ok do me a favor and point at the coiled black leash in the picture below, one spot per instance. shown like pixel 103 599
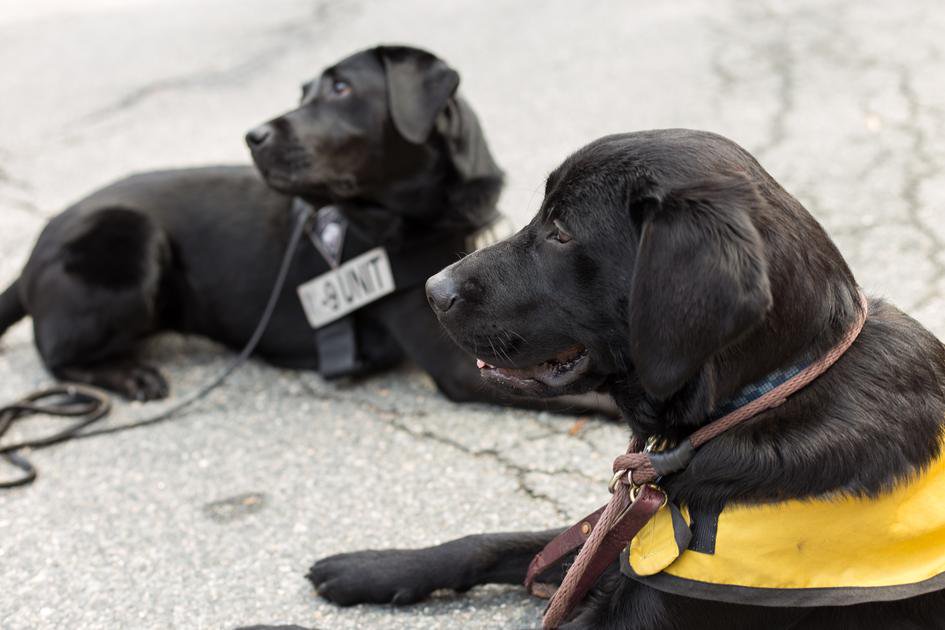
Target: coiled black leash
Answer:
pixel 90 404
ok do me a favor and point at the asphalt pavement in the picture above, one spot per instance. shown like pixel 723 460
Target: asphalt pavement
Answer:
pixel 212 520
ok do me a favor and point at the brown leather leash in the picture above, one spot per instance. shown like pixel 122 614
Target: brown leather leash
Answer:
pixel 636 498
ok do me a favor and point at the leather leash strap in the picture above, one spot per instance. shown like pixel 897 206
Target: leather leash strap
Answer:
pixel 626 515
pixel 556 551
pixel 620 521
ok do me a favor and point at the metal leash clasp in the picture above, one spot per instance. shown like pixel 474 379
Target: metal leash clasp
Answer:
pixel 654 444
pixel 635 494
pixel 612 486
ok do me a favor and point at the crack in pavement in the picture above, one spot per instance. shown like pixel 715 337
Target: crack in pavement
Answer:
pixel 777 53
pixel 15 192
pixel 393 416
pixel 919 167
pixel 287 36
pixel 16 187
pixel 830 43
pixel 22 205
pixel 518 471
pixel 774 51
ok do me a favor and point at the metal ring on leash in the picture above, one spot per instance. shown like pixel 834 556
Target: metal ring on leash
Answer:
pixel 612 486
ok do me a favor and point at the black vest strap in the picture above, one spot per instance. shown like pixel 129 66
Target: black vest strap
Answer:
pixel 337 347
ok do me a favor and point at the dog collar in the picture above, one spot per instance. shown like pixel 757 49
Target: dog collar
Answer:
pixel 756 390
pixel 641 466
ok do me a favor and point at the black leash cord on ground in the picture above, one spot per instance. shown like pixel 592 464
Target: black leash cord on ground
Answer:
pixel 90 404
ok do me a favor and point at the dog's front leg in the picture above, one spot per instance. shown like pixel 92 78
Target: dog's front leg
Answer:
pixel 405 576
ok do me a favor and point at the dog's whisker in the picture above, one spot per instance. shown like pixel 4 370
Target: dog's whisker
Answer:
pixel 492 345
pixel 512 332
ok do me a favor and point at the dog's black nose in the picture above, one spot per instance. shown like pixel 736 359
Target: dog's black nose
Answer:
pixel 442 292
pixel 258 136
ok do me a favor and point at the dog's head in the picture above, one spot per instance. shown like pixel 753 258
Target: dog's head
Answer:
pixel 643 262
pixel 370 123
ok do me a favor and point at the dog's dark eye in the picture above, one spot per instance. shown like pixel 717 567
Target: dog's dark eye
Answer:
pixel 560 234
pixel 340 88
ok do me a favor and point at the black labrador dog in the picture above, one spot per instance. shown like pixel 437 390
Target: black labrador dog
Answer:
pixel 669 267
pixel 382 138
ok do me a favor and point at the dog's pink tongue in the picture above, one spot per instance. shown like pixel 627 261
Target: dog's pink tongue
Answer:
pixel 480 363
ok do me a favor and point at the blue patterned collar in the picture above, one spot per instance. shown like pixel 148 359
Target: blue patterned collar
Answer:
pixel 758 389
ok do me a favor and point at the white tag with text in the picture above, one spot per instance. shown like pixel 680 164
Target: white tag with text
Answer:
pixel 359 281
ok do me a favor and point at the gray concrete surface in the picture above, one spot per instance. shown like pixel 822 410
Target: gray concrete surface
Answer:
pixel 211 521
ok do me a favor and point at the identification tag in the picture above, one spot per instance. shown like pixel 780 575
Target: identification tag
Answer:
pixel 360 281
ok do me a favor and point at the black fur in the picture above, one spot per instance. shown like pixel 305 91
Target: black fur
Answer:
pixel 11 307
pixel 689 273
pixel 382 133
pixel 124 234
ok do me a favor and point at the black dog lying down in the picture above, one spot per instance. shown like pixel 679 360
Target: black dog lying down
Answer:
pixel 381 138
pixel 670 267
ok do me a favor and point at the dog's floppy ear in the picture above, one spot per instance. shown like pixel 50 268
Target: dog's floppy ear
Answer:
pixel 700 280
pixel 465 141
pixel 419 84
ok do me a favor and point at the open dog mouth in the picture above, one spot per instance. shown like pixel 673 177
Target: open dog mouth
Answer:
pixel 561 370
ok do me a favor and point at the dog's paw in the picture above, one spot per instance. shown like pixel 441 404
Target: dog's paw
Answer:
pixel 128 379
pixel 133 381
pixel 141 383
pixel 372 577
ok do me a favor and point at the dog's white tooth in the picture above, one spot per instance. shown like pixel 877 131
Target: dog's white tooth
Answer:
pixel 480 363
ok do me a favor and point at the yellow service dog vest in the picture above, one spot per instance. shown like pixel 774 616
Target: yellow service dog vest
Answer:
pixel 821 552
